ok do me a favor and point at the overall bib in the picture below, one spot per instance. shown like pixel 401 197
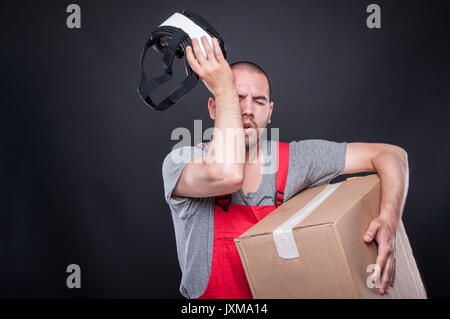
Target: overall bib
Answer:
pixel 227 279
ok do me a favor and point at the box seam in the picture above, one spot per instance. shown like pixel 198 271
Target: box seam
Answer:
pixel 347 265
pixel 357 294
pixel 238 244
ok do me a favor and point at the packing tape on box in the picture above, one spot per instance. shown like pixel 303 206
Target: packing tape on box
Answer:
pixel 283 236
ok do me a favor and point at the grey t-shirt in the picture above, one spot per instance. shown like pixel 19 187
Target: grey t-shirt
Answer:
pixel 311 163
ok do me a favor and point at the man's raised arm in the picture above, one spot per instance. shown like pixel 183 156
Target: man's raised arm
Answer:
pixel 217 173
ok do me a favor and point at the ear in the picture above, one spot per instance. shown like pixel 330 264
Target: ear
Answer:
pixel 212 108
pixel 270 111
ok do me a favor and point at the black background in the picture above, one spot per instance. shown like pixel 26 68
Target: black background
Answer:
pixel 81 154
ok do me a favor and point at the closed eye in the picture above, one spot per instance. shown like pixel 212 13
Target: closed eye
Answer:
pixel 261 99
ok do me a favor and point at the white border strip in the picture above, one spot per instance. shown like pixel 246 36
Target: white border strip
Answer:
pixel 283 236
pixel 180 21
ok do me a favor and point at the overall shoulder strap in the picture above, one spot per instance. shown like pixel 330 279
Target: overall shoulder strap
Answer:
pixel 223 201
pixel 282 172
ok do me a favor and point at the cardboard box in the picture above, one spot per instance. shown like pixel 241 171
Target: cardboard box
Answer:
pixel 312 246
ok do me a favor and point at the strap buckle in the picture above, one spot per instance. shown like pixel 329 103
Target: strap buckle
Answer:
pixel 223 201
pixel 278 198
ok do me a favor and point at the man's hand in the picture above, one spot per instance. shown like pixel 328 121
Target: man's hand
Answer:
pixel 383 231
pixel 213 69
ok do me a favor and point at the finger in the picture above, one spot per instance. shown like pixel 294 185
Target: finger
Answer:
pixel 393 272
pixel 191 59
pixel 371 232
pixel 198 51
pixel 217 50
pixel 393 279
pixel 207 47
pixel 383 253
pixel 386 275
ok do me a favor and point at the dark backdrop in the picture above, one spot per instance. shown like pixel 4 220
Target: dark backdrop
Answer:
pixel 81 154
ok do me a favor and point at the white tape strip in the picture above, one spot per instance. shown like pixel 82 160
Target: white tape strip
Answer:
pixel 283 236
pixel 180 21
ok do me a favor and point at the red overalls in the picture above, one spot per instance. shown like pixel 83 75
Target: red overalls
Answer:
pixel 227 278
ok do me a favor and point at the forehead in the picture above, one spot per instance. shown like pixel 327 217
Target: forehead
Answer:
pixel 249 82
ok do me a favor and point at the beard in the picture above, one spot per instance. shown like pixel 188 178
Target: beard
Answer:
pixel 255 137
pixel 252 138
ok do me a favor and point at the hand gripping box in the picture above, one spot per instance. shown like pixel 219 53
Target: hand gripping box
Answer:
pixel 312 247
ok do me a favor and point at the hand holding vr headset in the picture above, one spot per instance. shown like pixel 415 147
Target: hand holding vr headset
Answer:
pixel 171 39
pixel 213 69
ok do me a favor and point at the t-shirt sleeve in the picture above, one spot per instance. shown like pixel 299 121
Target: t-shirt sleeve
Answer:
pixel 173 166
pixel 314 163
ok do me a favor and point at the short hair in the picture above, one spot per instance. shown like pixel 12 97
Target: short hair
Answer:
pixel 251 67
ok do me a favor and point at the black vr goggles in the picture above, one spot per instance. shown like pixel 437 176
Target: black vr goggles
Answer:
pixel 171 38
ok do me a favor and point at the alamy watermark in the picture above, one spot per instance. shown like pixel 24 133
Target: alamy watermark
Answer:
pixel 373 21
pixel 73 20
pixel 375 270
pixel 74 279
pixel 233 140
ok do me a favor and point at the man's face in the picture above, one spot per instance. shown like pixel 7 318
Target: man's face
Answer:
pixel 256 108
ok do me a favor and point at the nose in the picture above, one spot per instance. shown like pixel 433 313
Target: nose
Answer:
pixel 247 106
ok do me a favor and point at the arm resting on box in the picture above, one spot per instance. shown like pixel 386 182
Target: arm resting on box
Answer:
pixel 391 164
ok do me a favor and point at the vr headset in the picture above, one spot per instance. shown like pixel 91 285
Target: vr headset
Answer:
pixel 171 39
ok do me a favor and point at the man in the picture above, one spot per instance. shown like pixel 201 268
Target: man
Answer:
pixel 206 221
